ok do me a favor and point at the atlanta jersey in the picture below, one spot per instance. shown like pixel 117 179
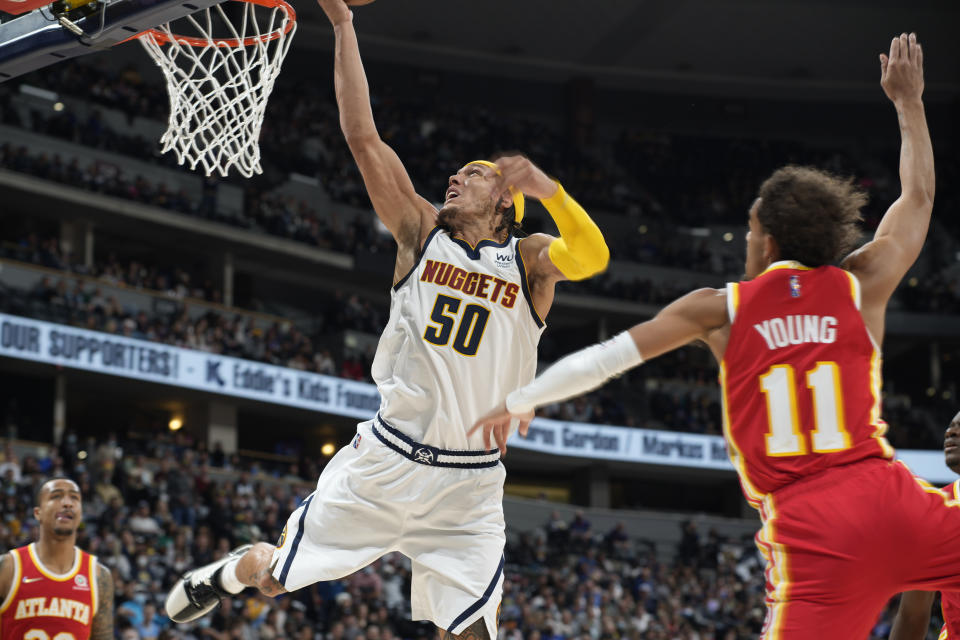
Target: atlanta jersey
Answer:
pixel 42 605
pixel 950 600
pixel 462 334
pixel 800 377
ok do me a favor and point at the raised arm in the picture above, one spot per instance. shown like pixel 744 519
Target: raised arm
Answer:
pixel 913 616
pixel 881 263
pixel 579 253
pixel 692 317
pixel 402 211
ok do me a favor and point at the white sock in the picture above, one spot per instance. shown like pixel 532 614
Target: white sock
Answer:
pixel 228 577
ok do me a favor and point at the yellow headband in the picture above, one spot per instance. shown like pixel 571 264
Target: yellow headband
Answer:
pixel 517 195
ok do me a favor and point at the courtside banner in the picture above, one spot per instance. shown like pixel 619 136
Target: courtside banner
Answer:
pixel 625 443
pixel 629 444
pixel 155 362
pixel 66 346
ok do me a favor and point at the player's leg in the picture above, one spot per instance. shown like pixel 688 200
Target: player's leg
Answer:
pixel 200 590
pixel 930 534
pixel 828 554
pixel 352 518
pixel 255 569
pixel 800 619
pixel 455 543
pixel 476 631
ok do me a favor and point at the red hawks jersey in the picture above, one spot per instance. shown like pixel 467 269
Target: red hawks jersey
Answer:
pixel 800 377
pixel 950 600
pixel 42 605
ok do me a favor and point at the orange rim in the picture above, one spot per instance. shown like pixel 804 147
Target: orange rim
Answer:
pixel 288 10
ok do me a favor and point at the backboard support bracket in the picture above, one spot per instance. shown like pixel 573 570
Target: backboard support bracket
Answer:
pixel 39 38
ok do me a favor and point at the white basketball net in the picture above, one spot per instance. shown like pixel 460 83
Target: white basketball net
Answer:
pixel 218 92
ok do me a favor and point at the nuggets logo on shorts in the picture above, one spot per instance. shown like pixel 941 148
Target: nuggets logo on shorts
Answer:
pixel 423 456
pixel 283 537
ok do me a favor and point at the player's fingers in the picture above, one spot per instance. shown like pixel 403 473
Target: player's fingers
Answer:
pixel 486 435
pixel 894 49
pixel 524 428
pixel 481 423
pixel 501 436
pixel 904 47
pixel 919 58
pixel 883 66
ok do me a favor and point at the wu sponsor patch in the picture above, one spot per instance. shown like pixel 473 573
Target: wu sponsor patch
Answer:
pixel 504 260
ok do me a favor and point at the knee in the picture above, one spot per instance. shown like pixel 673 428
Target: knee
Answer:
pixel 256 558
pixel 259 573
pixel 263 549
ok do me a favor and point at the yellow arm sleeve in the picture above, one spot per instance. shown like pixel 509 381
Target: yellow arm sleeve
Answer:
pixel 580 251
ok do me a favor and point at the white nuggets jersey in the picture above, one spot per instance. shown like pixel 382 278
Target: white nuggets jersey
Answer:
pixel 462 334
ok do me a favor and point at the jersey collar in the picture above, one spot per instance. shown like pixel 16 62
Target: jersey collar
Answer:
pixel 474 252
pixel 786 264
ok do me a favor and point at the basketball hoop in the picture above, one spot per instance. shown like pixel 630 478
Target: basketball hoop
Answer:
pixel 219 86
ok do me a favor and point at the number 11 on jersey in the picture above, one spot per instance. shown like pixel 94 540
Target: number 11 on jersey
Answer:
pixel 785 437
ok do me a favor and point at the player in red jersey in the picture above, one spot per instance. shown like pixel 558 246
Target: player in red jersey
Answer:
pixel 51 590
pixel 844 527
pixel 913 616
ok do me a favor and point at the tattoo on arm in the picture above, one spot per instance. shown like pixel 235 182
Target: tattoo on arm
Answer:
pixel 476 631
pixel 103 620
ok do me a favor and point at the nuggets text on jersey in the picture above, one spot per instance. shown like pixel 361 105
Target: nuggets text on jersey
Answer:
pixel 471 283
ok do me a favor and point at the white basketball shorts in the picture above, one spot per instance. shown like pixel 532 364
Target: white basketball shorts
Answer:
pixel 371 500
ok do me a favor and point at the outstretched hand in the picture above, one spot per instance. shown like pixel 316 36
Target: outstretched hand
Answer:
pixel 336 10
pixel 496 424
pixel 519 172
pixel 901 73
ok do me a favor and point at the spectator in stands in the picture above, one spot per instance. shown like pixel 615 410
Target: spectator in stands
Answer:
pixel 10 467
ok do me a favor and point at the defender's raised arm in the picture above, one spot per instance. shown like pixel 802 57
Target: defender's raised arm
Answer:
pixel 882 262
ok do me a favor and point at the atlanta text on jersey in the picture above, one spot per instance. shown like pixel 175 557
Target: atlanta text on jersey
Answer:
pixel 53 607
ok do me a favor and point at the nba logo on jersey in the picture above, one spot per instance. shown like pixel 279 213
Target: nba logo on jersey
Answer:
pixel 794 286
pixel 356 440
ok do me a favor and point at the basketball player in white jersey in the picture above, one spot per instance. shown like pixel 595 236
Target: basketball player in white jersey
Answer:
pixel 466 314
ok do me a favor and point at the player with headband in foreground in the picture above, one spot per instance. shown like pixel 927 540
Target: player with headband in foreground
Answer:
pixel 844 527
pixel 467 310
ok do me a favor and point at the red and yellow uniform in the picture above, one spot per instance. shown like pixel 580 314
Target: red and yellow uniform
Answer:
pixel 801 377
pixel 950 600
pixel 950 603
pixel 844 526
pixel 42 605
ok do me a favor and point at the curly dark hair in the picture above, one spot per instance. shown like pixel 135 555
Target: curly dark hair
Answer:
pixel 812 214
pixel 509 222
